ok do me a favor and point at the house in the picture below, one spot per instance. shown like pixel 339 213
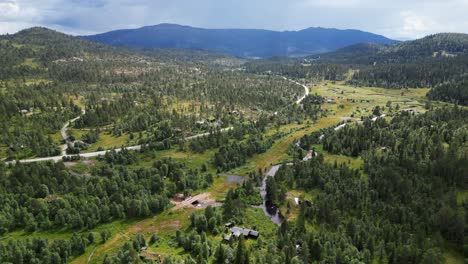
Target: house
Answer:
pixel 229 225
pixel 238 231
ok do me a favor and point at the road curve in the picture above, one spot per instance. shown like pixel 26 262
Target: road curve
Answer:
pixel 306 89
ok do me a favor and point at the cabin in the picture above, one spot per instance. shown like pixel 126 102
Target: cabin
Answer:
pixel 229 225
pixel 238 231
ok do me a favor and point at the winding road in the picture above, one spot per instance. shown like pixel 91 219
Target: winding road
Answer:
pixel 306 89
pixel 137 147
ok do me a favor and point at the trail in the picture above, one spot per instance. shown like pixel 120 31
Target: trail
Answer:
pixel 91 255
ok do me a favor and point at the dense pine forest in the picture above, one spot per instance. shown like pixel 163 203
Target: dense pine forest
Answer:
pixel 121 155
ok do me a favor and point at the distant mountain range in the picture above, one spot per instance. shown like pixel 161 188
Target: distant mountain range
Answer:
pixel 247 43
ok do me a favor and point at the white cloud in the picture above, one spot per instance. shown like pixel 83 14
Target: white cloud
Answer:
pixel 9 9
pixel 393 18
pixel 414 24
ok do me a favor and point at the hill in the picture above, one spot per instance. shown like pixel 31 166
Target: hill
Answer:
pixel 437 46
pixel 249 43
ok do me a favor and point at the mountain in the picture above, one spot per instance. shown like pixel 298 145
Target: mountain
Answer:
pixel 249 43
pixel 432 47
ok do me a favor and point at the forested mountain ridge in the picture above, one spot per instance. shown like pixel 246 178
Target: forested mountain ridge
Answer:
pixel 239 42
pixel 32 51
pixel 443 45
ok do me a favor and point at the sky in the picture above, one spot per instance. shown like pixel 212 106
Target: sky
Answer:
pixel 398 19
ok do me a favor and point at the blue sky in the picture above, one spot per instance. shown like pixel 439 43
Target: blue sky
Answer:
pixel 400 19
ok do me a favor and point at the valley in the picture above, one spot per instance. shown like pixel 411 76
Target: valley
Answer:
pixel 118 155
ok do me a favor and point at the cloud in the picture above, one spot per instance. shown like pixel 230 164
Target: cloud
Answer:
pixel 414 24
pixel 397 18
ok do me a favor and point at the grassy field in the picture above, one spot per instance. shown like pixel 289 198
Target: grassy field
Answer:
pixel 294 209
pixel 31 63
pixel 164 225
pixel 108 141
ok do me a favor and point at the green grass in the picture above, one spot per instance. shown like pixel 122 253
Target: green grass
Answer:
pixel 451 255
pixel 106 141
pixel 80 167
pixel 295 209
pixel 462 196
pixel 3 152
pixel 256 219
pixel 164 225
pixel 31 63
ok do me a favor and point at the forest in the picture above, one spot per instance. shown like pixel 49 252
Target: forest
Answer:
pixel 121 155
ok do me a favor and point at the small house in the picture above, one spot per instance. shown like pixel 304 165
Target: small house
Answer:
pixel 247 233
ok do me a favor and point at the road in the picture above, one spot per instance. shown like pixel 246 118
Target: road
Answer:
pixel 64 129
pixel 137 147
pixel 306 89
pixel 103 152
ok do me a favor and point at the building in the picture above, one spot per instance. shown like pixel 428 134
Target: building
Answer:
pixel 238 231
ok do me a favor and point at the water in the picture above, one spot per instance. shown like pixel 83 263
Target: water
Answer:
pixel 232 178
pixel 270 209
